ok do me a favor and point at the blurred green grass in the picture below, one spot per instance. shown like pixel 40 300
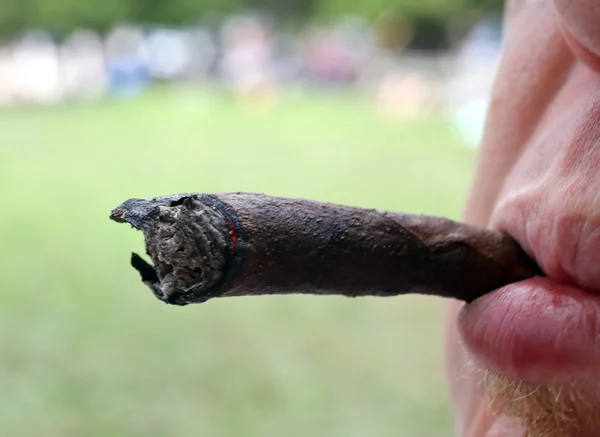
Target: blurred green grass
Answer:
pixel 85 350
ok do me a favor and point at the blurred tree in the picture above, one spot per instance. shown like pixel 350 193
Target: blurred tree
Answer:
pixel 14 16
pixel 64 15
pixel 417 24
pixel 295 9
pixel 180 11
pixel 427 17
pixel 394 29
pixel 432 9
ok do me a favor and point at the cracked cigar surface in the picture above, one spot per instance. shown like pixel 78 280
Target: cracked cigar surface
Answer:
pixel 204 246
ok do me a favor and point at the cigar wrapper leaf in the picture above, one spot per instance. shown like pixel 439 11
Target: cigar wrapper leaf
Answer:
pixel 204 246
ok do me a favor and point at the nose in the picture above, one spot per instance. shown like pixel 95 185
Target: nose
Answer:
pixel 580 23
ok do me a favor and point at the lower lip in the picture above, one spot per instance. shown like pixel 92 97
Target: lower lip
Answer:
pixel 535 330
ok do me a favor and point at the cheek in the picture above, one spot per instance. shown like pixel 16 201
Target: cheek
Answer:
pixel 580 24
pixel 581 52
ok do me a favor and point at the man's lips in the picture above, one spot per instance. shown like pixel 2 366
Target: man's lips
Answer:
pixel 536 330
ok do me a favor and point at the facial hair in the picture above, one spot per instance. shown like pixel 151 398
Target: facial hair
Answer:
pixel 541 410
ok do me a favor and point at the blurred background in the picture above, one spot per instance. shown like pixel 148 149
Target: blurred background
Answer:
pixel 377 104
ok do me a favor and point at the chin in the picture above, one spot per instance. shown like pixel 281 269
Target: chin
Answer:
pixel 526 409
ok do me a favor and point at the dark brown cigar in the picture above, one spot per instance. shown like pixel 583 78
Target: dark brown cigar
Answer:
pixel 204 246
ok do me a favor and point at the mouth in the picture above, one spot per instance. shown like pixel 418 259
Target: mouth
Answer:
pixel 538 330
pixel 546 330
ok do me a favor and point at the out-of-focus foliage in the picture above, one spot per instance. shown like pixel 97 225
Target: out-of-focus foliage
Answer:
pixel 440 9
pixel 13 16
pixel 64 15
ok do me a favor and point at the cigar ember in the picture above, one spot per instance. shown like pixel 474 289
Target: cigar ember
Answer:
pixel 204 246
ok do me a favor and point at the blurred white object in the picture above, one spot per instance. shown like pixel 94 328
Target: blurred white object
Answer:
pixel 408 95
pixel 7 91
pixel 203 53
pixel 471 86
pixel 127 61
pixel 36 69
pixel 248 64
pixel 356 41
pixel 83 65
pixel 247 52
pixel 168 53
pixel 126 40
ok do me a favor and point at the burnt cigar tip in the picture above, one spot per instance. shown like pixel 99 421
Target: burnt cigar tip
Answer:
pixel 140 213
pixel 150 278
pixel 136 212
pixel 145 270
pixel 188 240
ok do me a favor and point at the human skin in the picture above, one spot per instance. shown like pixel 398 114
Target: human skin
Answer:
pixel 537 178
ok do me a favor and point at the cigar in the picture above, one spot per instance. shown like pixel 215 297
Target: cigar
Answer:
pixel 205 246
